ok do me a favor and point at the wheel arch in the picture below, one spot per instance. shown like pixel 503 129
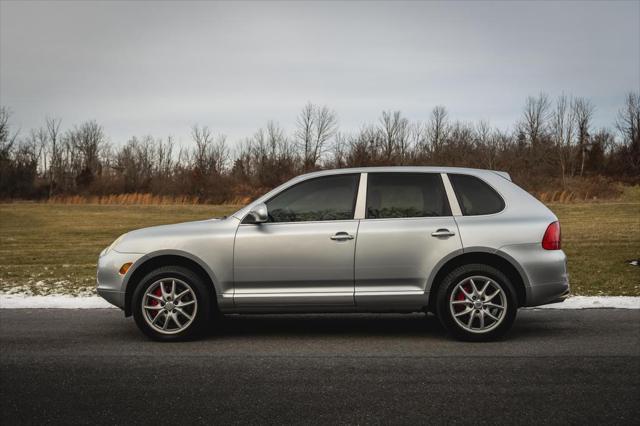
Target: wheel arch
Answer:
pixel 156 260
pixel 492 258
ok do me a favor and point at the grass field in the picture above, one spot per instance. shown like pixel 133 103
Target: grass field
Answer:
pixel 52 248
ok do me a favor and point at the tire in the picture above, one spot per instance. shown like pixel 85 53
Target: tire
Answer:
pixel 464 309
pixel 185 316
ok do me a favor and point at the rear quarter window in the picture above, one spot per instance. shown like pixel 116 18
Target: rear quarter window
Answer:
pixel 475 196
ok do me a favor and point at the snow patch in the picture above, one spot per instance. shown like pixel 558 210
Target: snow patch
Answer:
pixel 61 301
pixel 54 301
pixel 594 302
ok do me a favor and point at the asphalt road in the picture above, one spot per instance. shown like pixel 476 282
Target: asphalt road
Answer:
pixel 93 366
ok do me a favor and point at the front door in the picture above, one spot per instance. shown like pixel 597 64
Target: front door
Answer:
pixel 407 229
pixel 304 254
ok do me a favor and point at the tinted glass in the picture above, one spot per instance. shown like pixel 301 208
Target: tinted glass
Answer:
pixel 474 196
pixel 325 198
pixel 406 195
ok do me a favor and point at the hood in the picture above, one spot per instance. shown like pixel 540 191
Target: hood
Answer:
pixel 175 236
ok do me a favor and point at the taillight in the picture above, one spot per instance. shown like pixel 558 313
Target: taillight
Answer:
pixel 552 239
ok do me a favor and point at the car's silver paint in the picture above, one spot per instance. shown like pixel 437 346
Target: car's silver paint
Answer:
pixel 111 285
pixel 283 263
pixel 544 271
pixel 394 258
pixel 208 243
pixel 389 265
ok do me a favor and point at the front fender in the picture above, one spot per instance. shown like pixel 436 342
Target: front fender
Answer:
pixel 170 252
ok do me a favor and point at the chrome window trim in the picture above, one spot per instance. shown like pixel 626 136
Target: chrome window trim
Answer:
pixel 451 195
pixel 361 201
pixel 300 222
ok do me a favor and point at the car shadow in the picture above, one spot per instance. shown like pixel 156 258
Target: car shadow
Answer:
pixel 526 328
pixel 305 325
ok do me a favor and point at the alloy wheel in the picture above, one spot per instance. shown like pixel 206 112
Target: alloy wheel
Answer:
pixel 169 305
pixel 478 304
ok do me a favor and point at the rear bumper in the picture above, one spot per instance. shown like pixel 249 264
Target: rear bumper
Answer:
pixel 547 293
pixel 544 272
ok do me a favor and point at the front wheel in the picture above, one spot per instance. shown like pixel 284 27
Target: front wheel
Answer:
pixel 171 303
pixel 477 303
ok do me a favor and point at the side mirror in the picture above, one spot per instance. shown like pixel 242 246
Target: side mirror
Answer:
pixel 258 214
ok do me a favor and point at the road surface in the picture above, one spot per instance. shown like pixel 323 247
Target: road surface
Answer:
pixel 93 366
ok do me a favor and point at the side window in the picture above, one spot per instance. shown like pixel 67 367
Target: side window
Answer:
pixel 392 195
pixel 474 196
pixel 324 198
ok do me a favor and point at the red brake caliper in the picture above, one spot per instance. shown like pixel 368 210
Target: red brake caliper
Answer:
pixel 460 296
pixel 155 302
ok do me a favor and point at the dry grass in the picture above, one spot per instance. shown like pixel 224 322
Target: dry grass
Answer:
pixel 125 199
pixel 598 239
pixel 48 248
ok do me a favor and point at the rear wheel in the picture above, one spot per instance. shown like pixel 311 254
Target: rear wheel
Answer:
pixel 477 302
pixel 171 303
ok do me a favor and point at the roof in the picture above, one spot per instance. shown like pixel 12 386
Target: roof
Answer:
pixel 404 169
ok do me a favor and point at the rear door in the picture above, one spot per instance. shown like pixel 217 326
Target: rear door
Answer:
pixel 408 228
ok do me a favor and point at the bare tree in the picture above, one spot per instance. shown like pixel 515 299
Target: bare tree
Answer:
pixel 601 142
pixel 210 156
pixel 339 151
pixel 53 133
pixel 164 159
pixel 562 129
pixel 272 156
pixel 395 135
pixel 583 112
pixel 628 124
pixel 459 148
pixel 7 140
pixel 535 117
pixel 437 130
pixel 84 146
pixel 416 142
pixel 485 144
pixel 277 141
pixel 41 144
pixel 326 126
pixel 304 133
pixel 315 126
pixel 551 142
pixel 203 139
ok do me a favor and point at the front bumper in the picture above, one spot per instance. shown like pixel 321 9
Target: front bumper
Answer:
pixel 116 298
pixel 110 284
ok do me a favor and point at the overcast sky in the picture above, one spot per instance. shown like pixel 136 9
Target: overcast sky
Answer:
pixel 157 68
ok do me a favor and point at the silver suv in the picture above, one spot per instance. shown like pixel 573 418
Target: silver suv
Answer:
pixel 468 245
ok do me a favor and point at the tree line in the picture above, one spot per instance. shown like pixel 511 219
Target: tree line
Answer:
pixel 554 145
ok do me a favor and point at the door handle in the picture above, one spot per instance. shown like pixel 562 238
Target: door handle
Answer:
pixel 341 236
pixel 443 233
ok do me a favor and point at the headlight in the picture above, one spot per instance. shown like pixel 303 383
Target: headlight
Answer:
pixel 113 244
